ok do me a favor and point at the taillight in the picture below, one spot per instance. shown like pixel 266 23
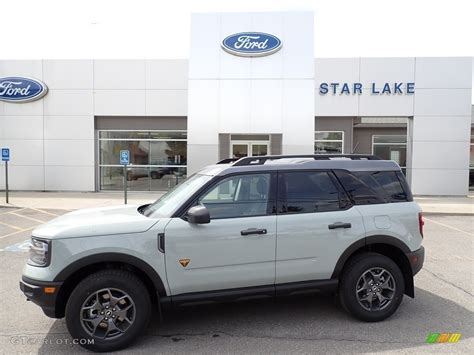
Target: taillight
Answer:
pixel 421 223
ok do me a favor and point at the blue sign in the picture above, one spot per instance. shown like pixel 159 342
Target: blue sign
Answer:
pixel 124 157
pixel 251 44
pixel 5 154
pixel 374 88
pixel 21 89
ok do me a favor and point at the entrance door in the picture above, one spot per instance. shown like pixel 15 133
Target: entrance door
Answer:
pixel 240 149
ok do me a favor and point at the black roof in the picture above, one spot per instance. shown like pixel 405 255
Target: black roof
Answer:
pixel 350 162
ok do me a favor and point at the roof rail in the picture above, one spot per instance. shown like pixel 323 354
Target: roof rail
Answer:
pixel 260 160
pixel 227 160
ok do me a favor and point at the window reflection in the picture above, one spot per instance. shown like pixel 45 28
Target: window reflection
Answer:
pixel 328 142
pixel 391 147
pixel 471 165
pixel 157 159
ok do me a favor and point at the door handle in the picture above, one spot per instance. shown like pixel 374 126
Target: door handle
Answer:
pixel 339 225
pixel 253 231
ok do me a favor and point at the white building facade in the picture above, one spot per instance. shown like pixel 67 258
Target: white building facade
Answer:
pixel 176 116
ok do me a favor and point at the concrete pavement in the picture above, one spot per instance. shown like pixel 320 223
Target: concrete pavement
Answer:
pixel 304 325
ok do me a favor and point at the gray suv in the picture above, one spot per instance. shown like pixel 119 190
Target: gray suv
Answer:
pixel 266 226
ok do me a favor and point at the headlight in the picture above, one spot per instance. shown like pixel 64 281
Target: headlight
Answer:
pixel 40 252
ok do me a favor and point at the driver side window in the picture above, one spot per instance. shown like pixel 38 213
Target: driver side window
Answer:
pixel 238 196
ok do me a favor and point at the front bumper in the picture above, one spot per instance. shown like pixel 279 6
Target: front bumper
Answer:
pixel 416 259
pixel 37 292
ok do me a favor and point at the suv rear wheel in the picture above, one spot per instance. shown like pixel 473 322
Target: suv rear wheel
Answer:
pixel 108 310
pixel 371 287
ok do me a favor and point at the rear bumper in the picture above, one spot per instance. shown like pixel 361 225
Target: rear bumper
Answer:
pixel 416 259
pixel 35 291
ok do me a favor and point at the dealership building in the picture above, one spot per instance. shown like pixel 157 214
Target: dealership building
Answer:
pixel 251 86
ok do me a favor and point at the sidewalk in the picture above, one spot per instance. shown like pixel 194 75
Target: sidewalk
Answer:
pixel 446 205
pixel 77 200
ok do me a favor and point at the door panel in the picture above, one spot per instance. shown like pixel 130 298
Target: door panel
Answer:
pixel 220 257
pixel 307 249
pixel 237 248
pixel 314 225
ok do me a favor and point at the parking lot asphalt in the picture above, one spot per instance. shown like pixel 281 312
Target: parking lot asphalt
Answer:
pixel 312 324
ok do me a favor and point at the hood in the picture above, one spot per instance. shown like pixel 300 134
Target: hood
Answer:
pixel 96 221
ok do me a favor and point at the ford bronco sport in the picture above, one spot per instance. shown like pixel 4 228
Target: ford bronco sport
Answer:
pixel 265 226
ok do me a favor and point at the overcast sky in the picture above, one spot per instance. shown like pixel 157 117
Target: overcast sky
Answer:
pixel 161 28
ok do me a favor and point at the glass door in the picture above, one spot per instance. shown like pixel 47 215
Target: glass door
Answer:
pixel 240 149
pixel 259 149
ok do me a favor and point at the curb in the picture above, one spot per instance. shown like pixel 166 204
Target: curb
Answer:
pixel 448 214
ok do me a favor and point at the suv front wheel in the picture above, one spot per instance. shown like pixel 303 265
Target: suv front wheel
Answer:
pixel 108 310
pixel 371 287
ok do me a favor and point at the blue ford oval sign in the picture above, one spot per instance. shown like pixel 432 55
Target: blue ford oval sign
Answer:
pixel 21 89
pixel 251 44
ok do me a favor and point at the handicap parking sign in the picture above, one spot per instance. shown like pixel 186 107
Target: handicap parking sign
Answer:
pixel 5 154
pixel 124 157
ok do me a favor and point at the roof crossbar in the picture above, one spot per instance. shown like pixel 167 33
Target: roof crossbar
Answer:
pixel 260 160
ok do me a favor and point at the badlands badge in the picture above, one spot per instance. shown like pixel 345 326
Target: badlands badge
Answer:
pixel 184 262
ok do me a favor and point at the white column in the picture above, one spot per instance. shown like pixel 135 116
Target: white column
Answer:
pixel 262 95
pixel 441 126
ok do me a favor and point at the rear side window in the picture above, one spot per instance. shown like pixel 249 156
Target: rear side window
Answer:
pixel 359 192
pixel 306 192
pixel 385 183
pixel 373 187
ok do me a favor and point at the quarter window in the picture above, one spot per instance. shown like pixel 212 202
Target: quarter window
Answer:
pixel 359 192
pixel 238 196
pixel 385 183
pixel 372 187
pixel 306 192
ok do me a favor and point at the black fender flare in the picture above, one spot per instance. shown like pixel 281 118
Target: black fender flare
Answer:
pixel 143 266
pixel 377 239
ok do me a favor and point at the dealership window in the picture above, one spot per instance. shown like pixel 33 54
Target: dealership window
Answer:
pixel 328 142
pixel 157 159
pixel 471 165
pixel 391 147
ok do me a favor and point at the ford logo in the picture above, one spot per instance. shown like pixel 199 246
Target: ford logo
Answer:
pixel 251 44
pixel 21 89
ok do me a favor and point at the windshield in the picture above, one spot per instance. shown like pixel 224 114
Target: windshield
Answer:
pixel 174 198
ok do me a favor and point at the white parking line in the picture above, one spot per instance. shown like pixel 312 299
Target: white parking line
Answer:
pixel 10 225
pixel 16 210
pixel 45 212
pixel 23 230
pixel 448 226
pixel 30 218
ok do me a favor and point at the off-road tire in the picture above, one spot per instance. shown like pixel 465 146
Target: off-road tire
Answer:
pixel 116 279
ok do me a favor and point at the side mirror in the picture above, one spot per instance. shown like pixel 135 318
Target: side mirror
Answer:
pixel 198 215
